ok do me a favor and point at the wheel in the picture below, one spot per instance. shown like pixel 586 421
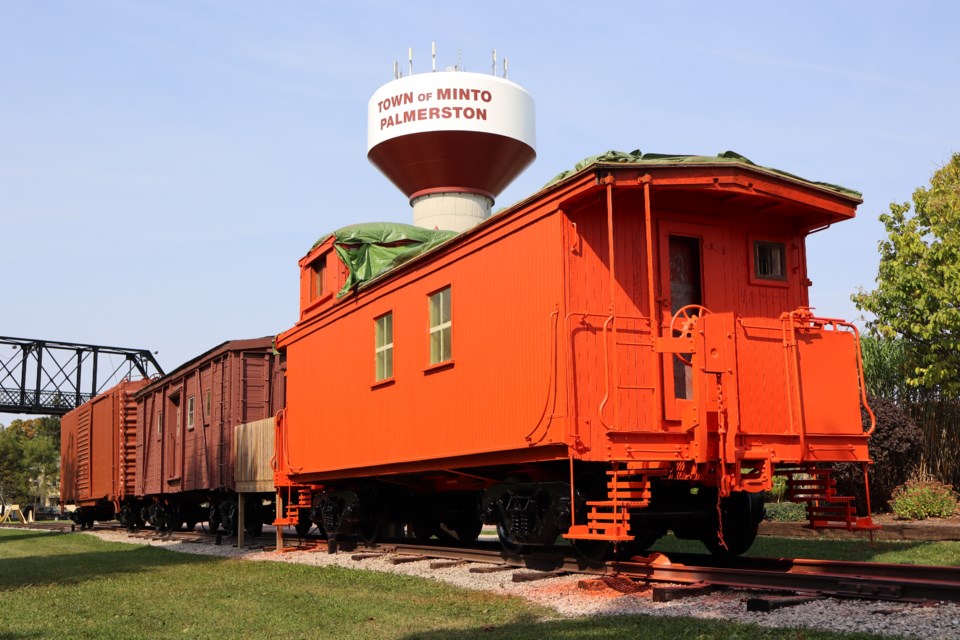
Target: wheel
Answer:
pixel 742 513
pixel 304 524
pixel 213 521
pixel 508 545
pixel 374 519
pixel 228 517
pixel 253 517
pixel 424 529
pixel 641 542
pixel 683 322
pixel 468 528
pixel 371 531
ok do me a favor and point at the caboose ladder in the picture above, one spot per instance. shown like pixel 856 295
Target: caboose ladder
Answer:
pixel 293 506
pixel 610 519
pixel 825 509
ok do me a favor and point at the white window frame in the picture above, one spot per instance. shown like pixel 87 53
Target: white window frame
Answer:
pixel 159 425
pixel 191 412
pixel 383 350
pixel 441 348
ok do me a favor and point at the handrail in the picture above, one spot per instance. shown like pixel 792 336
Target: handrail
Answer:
pixel 551 381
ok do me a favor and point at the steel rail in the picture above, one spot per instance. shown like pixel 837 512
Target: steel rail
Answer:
pixel 841 579
pixel 874 581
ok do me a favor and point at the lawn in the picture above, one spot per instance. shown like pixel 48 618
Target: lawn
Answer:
pixel 907 552
pixel 55 585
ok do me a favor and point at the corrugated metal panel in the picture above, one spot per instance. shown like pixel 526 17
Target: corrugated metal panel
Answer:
pixel 84 453
pixel 97 446
pixel 69 456
pixel 104 424
pixel 253 450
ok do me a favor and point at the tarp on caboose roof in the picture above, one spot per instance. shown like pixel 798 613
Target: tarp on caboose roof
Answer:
pixel 732 157
pixel 373 248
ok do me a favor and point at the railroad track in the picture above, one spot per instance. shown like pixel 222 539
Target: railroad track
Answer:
pixel 805 578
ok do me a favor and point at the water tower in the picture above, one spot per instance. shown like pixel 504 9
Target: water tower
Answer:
pixel 451 141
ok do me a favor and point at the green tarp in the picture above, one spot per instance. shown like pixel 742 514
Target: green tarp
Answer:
pixel 637 157
pixel 372 248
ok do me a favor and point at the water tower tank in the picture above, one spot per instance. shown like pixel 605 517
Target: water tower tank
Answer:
pixel 451 141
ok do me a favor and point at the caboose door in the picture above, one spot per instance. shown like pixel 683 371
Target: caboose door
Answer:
pixel 694 270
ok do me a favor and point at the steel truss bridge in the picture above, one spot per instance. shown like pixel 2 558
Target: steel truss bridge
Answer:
pixel 51 378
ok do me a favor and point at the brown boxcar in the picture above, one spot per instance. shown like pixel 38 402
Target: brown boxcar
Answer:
pixel 626 352
pixel 186 422
pixel 98 454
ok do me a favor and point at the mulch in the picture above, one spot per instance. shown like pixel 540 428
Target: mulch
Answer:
pixel 891 529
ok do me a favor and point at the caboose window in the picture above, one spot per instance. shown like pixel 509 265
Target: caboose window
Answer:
pixel 384 346
pixel 191 412
pixel 441 327
pixel 769 260
pixel 159 424
pixel 318 276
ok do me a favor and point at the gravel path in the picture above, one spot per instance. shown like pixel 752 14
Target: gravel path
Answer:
pixel 929 622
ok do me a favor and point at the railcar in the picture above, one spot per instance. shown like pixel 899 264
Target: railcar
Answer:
pixel 627 352
pixel 98 454
pixel 185 451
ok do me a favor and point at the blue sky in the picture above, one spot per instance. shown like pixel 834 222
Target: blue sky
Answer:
pixel 147 147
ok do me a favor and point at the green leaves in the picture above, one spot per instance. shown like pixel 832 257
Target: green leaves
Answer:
pixel 29 460
pixel 918 281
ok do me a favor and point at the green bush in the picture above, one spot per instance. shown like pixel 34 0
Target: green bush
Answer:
pixel 921 500
pixel 895 449
pixel 786 512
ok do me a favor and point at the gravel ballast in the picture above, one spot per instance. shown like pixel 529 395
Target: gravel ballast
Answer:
pixel 938 621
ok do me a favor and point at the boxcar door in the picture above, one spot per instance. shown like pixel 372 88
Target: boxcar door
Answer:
pixel 694 268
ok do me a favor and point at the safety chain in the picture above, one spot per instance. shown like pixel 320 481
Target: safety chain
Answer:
pixel 721 480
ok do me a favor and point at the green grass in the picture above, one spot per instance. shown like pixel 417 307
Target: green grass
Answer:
pixel 912 552
pixel 77 586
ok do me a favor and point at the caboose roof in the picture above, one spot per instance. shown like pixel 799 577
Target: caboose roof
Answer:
pixel 725 158
pixel 371 250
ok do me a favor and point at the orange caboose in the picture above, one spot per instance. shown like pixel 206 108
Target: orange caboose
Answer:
pixel 628 351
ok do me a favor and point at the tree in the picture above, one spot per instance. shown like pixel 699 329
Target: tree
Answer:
pixel 29 460
pixel 918 282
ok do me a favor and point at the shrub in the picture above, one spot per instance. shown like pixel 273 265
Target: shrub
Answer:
pixel 786 511
pixel 921 500
pixel 895 448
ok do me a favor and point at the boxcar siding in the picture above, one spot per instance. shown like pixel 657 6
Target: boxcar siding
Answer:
pixel 344 419
pixel 199 459
pixel 97 444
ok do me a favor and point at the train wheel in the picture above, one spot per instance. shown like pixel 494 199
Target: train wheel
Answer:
pixel 593 550
pixel 509 545
pixel 424 529
pixel 253 517
pixel 642 541
pixel 228 517
pixel 468 528
pixel 304 524
pixel 213 521
pixel 741 516
pixel 372 527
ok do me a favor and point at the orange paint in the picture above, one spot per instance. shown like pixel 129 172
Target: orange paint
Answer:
pixel 559 353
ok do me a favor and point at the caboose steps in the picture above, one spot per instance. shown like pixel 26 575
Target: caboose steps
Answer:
pixel 825 509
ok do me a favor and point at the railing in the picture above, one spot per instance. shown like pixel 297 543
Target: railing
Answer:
pixel 47 377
